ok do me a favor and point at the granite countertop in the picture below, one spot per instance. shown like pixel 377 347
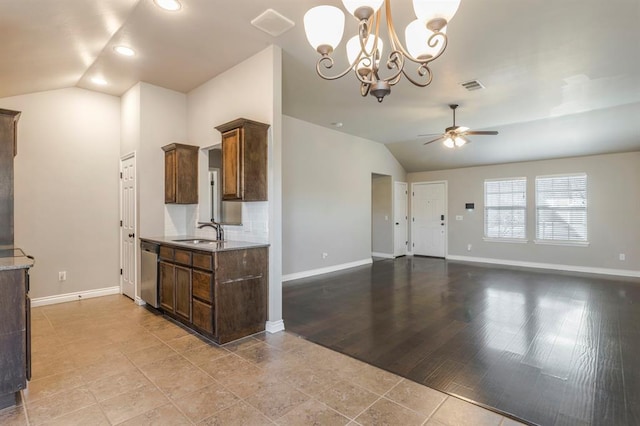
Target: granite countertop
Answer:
pixel 14 258
pixel 207 246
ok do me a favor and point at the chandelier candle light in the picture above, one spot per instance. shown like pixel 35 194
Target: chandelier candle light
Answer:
pixel 425 40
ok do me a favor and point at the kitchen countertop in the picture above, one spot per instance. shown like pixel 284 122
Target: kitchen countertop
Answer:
pixel 210 247
pixel 14 259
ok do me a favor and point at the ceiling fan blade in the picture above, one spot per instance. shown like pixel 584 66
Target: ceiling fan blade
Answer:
pixel 481 132
pixel 429 134
pixel 434 140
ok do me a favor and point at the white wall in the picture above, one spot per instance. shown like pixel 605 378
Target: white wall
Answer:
pixel 251 89
pixel 66 188
pixel 153 117
pixel 327 195
pixel 613 206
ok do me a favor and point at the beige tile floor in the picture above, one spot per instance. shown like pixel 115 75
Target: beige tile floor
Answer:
pixel 107 361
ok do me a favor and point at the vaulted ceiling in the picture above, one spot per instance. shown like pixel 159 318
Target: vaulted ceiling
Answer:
pixel 561 77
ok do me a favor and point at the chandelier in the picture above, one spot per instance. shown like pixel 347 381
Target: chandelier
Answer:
pixel 425 40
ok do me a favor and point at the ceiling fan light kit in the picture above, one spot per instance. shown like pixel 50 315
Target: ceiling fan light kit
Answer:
pixel 455 136
pixel 425 41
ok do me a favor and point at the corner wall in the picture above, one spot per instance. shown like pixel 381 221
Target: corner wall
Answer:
pixel 66 188
pixel 327 196
pixel 612 213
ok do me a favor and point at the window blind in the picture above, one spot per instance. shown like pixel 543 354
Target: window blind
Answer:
pixel 505 208
pixel 561 208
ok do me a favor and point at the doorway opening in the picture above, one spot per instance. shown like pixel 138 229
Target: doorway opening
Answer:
pixel 128 222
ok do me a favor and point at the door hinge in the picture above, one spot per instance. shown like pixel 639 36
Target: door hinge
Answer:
pixel 413 244
pixel 120 175
pixel 120 271
pixel 121 223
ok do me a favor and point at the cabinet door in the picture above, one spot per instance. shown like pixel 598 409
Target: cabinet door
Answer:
pixel 231 166
pixel 183 292
pixel 167 286
pixel 203 316
pixel 170 176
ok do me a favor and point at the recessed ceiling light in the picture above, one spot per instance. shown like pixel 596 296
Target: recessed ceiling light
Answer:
pixel 125 51
pixel 337 124
pixel 100 81
pixel 170 5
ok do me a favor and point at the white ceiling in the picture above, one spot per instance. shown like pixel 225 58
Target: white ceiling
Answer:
pixel 561 76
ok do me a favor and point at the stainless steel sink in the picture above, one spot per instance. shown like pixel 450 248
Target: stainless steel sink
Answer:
pixel 198 241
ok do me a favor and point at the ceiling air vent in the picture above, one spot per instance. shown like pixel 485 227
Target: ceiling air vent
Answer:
pixel 272 23
pixel 472 85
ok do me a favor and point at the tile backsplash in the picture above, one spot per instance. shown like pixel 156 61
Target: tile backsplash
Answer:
pixel 254 228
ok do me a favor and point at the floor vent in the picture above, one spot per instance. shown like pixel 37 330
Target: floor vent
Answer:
pixel 472 85
pixel 272 23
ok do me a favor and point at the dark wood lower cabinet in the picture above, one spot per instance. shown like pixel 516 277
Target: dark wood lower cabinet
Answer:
pixel 183 292
pixel 167 283
pixel 220 294
pixel 203 316
pixel 14 335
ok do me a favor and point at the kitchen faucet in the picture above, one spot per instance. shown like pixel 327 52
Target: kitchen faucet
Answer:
pixel 217 226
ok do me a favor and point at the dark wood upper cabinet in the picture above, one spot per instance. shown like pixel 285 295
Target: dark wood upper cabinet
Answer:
pixel 180 174
pixel 244 160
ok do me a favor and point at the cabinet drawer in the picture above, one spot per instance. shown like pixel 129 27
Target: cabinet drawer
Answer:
pixel 166 253
pixel 183 257
pixel 202 285
pixel 202 315
pixel 203 261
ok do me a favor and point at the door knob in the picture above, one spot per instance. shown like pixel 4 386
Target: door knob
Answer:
pixel 131 235
pixel 397 223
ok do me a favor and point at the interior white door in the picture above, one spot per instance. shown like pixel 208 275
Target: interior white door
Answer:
pixel 128 226
pixel 400 219
pixel 429 212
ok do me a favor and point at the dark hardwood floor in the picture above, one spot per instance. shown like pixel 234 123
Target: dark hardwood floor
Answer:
pixel 548 347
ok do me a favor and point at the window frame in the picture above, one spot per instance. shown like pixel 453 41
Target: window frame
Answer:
pixel 558 242
pixel 524 208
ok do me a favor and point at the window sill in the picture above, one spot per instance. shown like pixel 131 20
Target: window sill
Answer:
pixel 506 240
pixel 562 243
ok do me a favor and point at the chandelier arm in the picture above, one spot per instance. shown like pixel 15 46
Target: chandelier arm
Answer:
pixel 326 61
pixel 396 60
pixel 422 71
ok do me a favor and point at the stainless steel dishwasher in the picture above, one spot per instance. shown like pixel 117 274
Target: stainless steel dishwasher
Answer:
pixel 149 273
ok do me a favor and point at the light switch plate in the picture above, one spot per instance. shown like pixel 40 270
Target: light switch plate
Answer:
pixel 459 217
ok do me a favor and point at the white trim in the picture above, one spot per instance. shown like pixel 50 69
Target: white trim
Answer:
pixel 385 255
pixel 320 271
pixel 274 326
pixel 138 301
pixel 70 297
pixel 562 243
pixel 553 266
pixel 395 218
pixel 505 240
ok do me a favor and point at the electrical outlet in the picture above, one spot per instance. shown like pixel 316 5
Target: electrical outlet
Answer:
pixel 62 276
pixel 324 255
pixel 622 256
pixel 468 247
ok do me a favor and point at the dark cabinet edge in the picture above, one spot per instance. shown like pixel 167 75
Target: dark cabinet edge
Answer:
pixel 240 122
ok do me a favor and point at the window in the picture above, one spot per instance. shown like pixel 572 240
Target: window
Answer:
pixel 505 208
pixel 561 208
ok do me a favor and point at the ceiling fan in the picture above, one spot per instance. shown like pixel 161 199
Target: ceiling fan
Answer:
pixel 456 136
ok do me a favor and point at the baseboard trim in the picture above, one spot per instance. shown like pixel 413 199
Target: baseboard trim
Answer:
pixel 553 266
pixel 139 301
pixel 274 326
pixel 70 297
pixel 320 271
pixel 383 255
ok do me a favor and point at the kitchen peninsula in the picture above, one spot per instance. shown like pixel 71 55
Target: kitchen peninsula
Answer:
pixel 217 288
